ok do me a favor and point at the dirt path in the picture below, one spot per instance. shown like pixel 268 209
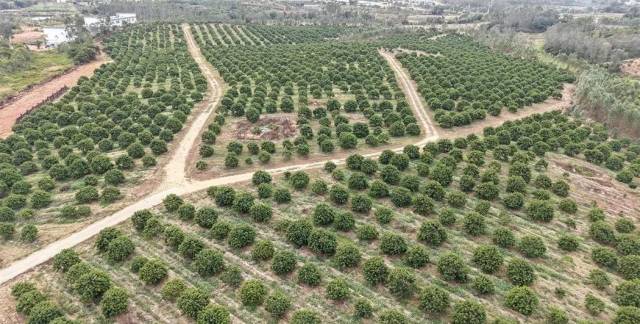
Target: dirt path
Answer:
pixel 175 180
pixel 25 101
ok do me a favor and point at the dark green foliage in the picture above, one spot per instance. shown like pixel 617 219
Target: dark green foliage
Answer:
pixel 252 293
pixel 520 272
pixel 468 312
pixel 452 267
pixel 114 302
pixel 521 299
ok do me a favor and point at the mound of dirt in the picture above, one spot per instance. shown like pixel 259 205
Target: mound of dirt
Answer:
pixel 267 128
pixel 631 67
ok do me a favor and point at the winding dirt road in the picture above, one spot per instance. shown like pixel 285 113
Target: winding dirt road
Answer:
pixel 175 179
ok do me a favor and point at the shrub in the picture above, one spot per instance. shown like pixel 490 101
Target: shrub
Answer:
pixel 265 190
pixel 532 246
pixel 483 285
pixel 7 231
pixel 260 177
pixel 604 257
pixel 321 241
pixel 186 211
pixel 432 233
pixel 629 267
pixel 277 304
pixel 283 262
pixel 29 233
pixel 521 299
pixel 220 230
pixel 434 300
pixel 520 272
pixel 309 275
pixel 557 316
pixel 65 260
pixel 120 249
pixel 392 316
pixel 323 214
pixel 401 283
pixel 624 225
pixel 298 232
pixel 243 202
pixel 401 197
pixel 44 312
pixel 568 242
pixel 153 272
pixel 599 279
pixel 208 262
pixel 416 257
pixel 488 258
pixel 362 309
pixel 252 293
pixel 282 196
pixel 299 180
pixel 172 202
pixel 540 210
pixel 392 244
pixel 627 244
pixel 344 221
pixel 305 316
pixel 21 288
pixel 337 290
pixel 468 312
pixel 232 276
pixel 241 236
pixel 375 271
pixel 224 196
pixel 92 284
pixel 361 204
pixel 560 188
pixel 192 301
pixel 452 267
pixel 114 302
pixel 190 246
pixel 137 263
pixel 594 305
pixel 214 314
pixel 262 250
pixel 28 299
pixel 347 256
pixel 447 217
pixel 139 219
pixel 206 217
pixel 378 189
pixel 504 238
pixel 602 232
pixel 627 315
pixel 487 191
pixel 339 194
pixel 474 224
pixel 87 195
pixel 383 215
pixel 172 289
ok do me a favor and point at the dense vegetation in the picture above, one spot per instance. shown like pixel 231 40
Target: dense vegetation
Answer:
pixel 466 230
pixel 66 156
pixel 343 94
pixel 462 80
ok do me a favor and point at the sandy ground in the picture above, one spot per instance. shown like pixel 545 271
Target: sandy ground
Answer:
pixel 631 67
pixel 28 99
pixel 27 35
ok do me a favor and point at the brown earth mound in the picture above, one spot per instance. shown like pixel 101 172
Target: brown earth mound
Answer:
pixel 267 128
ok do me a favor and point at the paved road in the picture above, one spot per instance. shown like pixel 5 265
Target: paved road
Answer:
pixel 176 182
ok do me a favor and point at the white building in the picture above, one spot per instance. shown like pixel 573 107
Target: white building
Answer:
pixel 120 19
pixel 54 36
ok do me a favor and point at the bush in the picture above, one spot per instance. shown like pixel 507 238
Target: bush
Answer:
pixel 153 272
pixel 416 257
pixel 214 314
pixel 139 219
pixel 447 217
pixel 540 210
pixel 44 312
pixel 87 195
pixel 560 188
pixel 432 233
pixel 137 263
pixel 483 285
pixel 605 257
pixel 401 197
pixel 322 242
pixel 323 214
pixel 262 250
pixel 452 267
pixel 624 225
pixel 503 238
pixel 487 258
pixel 520 272
pixel 21 288
pixel 392 316
pixel 629 267
pixel 120 249
pixel 468 312
pixel 92 284
pixel 260 177
pixel 282 196
pixel 28 299
pixel 339 194
pixel 114 302
pixel 220 230
pixel 65 260
pixel 521 299
pixel 627 244
pixel 190 246
pixel 361 204
pixel 392 244
pixel 252 293
pixel 434 300
pixel 232 276
pixel 594 305
pixel 243 202
pixel 337 290
pixel 277 304
pixel 568 242
pixel 172 202
pixel 309 275
pixel 186 211
pixel 29 233
pixel 474 224
pixel 557 316
pixel 208 262
pixel 224 196
pixel 299 180
pixel 383 215
pixel 487 191
pixel 532 246
pixel 283 262
pixel 347 256
pixel 362 309
pixel 192 301
pixel 305 316
pixel 602 232
pixel 172 289
pixel 206 217
pixel 375 271
pixel 599 279
pixel 401 283
pixel 241 236
pixel 627 315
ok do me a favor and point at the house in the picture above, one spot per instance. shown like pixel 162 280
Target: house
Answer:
pixel 119 20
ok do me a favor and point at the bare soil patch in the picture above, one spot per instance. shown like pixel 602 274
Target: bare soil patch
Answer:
pixel 267 128
pixel 631 67
pixel 27 36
